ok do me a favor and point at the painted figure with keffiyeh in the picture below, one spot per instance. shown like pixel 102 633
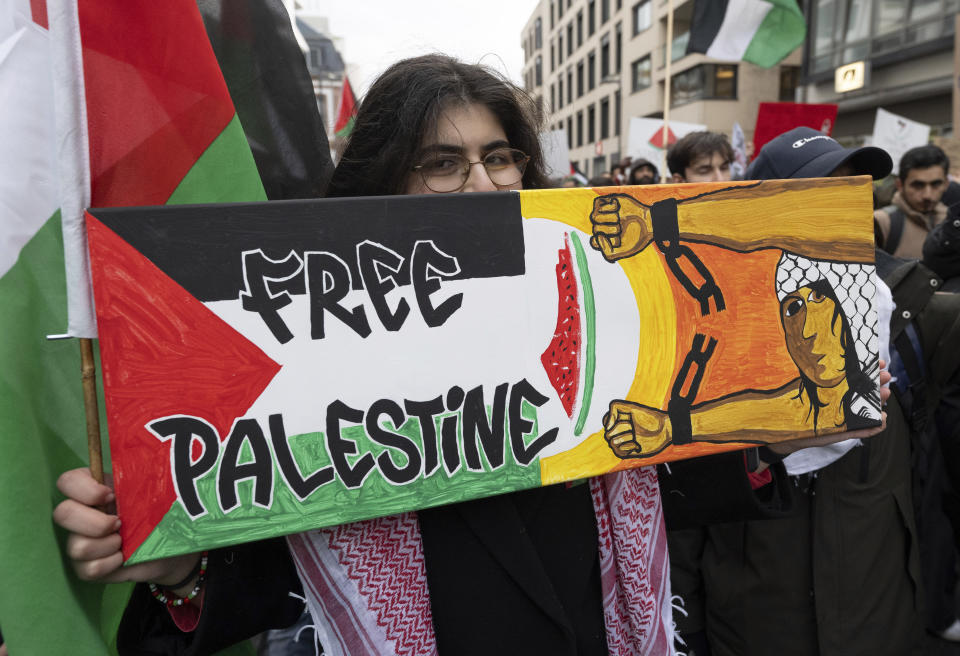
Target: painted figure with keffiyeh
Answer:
pixel 829 324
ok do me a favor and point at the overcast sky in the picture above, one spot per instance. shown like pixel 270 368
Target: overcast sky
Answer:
pixel 376 33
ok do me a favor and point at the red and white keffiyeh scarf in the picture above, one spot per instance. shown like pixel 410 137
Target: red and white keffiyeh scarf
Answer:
pixel 366 585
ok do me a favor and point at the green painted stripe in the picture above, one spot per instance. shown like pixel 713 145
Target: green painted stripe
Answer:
pixel 333 503
pixel 224 173
pixel 590 309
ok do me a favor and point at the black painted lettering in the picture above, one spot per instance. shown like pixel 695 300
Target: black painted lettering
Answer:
pixel 425 412
pixel 260 469
pixel 301 487
pixel 449 443
pixel 476 426
pixel 258 272
pixel 183 431
pixel 428 265
pixel 523 454
pixel 372 260
pixel 390 470
pixel 328 283
pixel 339 447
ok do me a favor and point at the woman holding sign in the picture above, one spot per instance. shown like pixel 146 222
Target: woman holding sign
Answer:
pixel 560 569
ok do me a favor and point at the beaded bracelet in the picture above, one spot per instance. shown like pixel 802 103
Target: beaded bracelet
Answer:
pixel 174 600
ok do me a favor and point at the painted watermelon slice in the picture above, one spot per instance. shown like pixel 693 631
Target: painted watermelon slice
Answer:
pixel 561 359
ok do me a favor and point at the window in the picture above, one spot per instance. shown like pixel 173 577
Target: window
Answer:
pixel 538 71
pixel 560 96
pixel 551 16
pixel 616 114
pixel 599 164
pixel 847 30
pixel 579 28
pixel 591 17
pixel 569 38
pixel 591 123
pixel 641 74
pixel 704 82
pixel 604 57
pixel 580 128
pixel 559 9
pixel 642 16
pixel 559 49
pixel 552 60
pixel 604 118
pixel 591 70
pixel 789 81
pixel 619 5
pixel 604 11
pixel 570 84
pixel 569 132
pixel 553 98
pixel 538 34
pixel 618 48
pixel 580 78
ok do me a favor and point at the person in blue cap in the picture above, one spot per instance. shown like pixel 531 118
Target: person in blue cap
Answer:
pixel 843 573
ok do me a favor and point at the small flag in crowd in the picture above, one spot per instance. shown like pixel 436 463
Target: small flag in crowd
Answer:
pixel 347 111
pixel 577 175
pixel 761 32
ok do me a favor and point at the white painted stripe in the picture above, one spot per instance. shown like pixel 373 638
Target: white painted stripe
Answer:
pixel 740 24
pixel 74 163
pixel 28 182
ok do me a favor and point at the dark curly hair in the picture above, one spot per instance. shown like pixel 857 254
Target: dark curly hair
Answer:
pixel 406 102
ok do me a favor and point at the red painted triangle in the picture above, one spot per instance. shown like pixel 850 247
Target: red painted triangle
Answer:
pixel 163 353
pixel 657 138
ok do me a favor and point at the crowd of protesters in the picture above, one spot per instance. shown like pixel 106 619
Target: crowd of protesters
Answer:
pixel 846 546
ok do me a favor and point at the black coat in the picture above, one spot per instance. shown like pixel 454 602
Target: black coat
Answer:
pixel 511 574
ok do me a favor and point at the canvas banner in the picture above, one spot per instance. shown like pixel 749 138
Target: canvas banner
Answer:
pixel 275 367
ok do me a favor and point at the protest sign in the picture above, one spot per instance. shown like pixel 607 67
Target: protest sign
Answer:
pixel 275 367
pixel 646 140
pixel 775 118
pixel 896 135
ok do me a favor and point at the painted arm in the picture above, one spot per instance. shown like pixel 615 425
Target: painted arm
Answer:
pixel 637 431
pixel 746 217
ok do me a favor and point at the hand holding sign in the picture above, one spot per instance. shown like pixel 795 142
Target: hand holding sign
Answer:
pixel 621 226
pixel 634 431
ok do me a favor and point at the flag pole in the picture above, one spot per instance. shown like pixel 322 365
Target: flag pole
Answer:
pixel 88 374
pixel 668 55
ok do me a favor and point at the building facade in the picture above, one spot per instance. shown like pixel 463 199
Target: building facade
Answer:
pixel 594 64
pixel 907 49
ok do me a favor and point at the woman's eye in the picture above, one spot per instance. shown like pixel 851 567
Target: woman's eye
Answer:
pixel 496 159
pixel 815 296
pixel 793 306
pixel 441 166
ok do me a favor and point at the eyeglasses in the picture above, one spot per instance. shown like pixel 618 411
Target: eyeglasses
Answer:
pixel 446 173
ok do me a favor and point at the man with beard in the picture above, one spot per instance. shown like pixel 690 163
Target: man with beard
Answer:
pixel 916 208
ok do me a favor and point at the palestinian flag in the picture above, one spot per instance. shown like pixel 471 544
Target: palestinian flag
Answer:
pixel 347 111
pixel 108 104
pixel 761 32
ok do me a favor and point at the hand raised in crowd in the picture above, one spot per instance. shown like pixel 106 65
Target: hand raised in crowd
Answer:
pixel 621 226
pixel 93 545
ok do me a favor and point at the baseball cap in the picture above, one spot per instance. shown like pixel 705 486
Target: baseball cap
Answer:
pixel 807 153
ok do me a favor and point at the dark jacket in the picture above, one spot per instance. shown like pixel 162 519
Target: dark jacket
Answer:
pixel 512 574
